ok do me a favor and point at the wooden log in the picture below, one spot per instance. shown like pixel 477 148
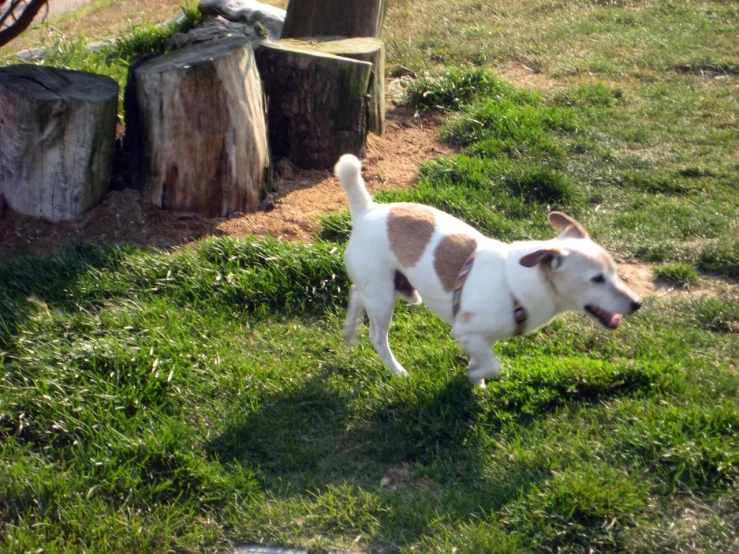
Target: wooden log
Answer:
pixel 366 49
pixel 202 129
pixel 249 12
pixel 346 18
pixel 318 104
pixel 57 129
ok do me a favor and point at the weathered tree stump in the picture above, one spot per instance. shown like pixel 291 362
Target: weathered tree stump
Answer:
pixel 346 18
pixel 202 129
pixel 318 103
pixel 57 129
pixel 365 49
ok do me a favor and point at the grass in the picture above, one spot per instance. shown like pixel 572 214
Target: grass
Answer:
pixel 200 398
pixel 206 396
pixel 680 275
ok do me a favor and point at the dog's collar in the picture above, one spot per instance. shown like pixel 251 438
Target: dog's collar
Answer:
pixel 519 312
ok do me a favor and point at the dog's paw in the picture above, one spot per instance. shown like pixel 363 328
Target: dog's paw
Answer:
pixel 350 336
pixel 477 372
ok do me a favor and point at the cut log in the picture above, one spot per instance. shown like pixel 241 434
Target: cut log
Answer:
pixel 366 49
pixel 249 12
pixel 345 18
pixel 202 129
pixel 318 104
pixel 57 129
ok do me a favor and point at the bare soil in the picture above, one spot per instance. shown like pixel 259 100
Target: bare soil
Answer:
pixel 127 217
pixel 526 76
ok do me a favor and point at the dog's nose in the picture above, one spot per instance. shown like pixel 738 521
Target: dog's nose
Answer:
pixel 635 305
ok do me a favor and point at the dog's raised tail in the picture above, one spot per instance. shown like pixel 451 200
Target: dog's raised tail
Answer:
pixel 349 171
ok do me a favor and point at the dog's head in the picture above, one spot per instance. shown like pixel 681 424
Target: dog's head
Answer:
pixel 582 274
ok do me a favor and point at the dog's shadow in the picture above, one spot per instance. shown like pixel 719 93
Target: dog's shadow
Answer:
pixel 409 445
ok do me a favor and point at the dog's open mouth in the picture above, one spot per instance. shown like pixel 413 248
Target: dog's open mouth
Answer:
pixel 606 319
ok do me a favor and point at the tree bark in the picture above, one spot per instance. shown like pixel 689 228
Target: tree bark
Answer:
pixel 202 129
pixel 57 129
pixel 343 18
pixel 365 49
pixel 318 103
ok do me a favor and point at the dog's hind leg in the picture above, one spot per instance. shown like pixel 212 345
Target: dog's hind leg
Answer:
pixel 483 363
pixel 380 303
pixel 353 316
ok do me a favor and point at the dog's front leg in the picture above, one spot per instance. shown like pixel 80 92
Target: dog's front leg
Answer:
pixel 483 363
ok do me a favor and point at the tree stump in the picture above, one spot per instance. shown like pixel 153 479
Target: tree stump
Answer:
pixel 202 130
pixel 365 49
pixel 57 129
pixel 318 103
pixel 345 18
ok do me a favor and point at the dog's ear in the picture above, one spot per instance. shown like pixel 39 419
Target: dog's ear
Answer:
pixel 546 257
pixel 566 226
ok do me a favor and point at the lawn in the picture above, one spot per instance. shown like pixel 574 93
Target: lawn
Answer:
pixel 196 399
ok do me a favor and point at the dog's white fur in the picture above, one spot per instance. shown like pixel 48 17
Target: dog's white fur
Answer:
pixel 569 272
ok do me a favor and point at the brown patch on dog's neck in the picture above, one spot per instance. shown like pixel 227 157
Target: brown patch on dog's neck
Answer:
pixel 449 257
pixel 409 228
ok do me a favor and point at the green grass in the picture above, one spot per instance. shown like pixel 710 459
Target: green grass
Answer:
pixel 680 275
pixel 189 399
pixel 569 37
pixel 456 88
pixel 200 398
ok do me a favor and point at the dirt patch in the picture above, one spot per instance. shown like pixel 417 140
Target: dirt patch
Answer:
pixel 125 217
pixel 525 76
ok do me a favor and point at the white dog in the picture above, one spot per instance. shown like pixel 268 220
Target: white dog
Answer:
pixel 486 289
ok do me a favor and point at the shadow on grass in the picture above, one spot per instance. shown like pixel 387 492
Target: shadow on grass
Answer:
pixel 415 445
pixel 262 277
pixel 34 284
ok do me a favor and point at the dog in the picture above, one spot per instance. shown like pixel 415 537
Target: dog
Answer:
pixel 485 289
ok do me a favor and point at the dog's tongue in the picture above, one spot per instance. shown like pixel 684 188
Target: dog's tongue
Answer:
pixel 614 321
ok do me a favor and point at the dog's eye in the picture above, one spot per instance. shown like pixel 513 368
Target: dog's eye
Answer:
pixel 598 278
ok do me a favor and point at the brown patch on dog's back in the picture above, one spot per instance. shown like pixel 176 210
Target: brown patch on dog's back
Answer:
pixel 409 229
pixel 449 257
